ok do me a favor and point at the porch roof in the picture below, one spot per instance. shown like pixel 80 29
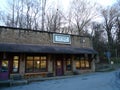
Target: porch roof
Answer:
pixel 21 48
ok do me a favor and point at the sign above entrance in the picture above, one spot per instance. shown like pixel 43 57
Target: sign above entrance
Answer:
pixel 61 38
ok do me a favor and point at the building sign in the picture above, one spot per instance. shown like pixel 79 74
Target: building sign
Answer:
pixel 61 38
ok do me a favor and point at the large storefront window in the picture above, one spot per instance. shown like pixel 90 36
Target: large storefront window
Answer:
pixel 36 64
pixel 68 64
pixel 15 64
pixel 82 63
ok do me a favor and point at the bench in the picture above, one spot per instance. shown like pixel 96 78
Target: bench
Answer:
pixel 34 75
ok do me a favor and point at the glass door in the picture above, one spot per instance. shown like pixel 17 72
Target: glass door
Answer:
pixel 4 69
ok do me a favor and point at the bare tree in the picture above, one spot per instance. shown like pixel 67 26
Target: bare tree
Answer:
pixel 117 26
pixel 118 37
pixel 54 21
pixel 99 41
pixel 23 14
pixel 109 15
pixel 83 12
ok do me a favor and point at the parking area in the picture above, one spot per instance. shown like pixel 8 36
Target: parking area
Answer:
pixel 93 81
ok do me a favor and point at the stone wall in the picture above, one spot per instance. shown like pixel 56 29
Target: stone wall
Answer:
pixel 24 36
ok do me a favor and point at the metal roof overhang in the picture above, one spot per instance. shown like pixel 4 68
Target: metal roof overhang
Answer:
pixel 21 48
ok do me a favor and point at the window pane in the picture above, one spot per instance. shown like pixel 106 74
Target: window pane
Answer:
pixel 43 65
pixel 15 65
pixel 16 57
pixel 82 63
pixel 87 64
pixel 59 64
pixel 68 65
pixel 4 66
pixel 29 66
pixel 29 58
pixel 37 58
pixel 43 58
pixel 77 64
pixel 36 65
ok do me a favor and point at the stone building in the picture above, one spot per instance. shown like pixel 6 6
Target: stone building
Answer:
pixel 31 53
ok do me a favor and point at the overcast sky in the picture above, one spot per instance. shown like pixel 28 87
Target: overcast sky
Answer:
pixel 105 2
pixel 65 3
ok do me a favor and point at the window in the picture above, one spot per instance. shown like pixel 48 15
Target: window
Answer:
pixel 15 64
pixel 36 64
pixel 29 64
pixel 78 64
pixel 68 64
pixel 82 63
pixel 43 63
pixel 4 67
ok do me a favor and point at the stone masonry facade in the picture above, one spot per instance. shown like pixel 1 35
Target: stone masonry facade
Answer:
pixel 23 36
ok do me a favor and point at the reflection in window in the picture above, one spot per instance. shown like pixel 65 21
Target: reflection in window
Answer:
pixel 68 65
pixel 4 66
pixel 15 64
pixel 36 63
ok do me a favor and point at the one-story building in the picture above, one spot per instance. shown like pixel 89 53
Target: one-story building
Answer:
pixel 33 53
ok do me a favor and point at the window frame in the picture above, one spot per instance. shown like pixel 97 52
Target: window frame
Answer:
pixel 80 60
pixel 33 66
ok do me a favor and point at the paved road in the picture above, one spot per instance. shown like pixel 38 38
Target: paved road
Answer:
pixel 94 81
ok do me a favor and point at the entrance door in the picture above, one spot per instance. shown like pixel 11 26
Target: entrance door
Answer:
pixel 4 69
pixel 59 68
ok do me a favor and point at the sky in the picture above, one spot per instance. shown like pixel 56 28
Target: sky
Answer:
pixel 103 3
pixel 65 3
